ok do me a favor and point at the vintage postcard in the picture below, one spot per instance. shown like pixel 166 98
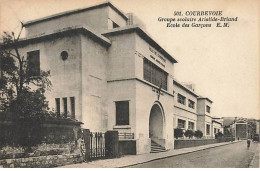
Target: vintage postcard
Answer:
pixel 129 84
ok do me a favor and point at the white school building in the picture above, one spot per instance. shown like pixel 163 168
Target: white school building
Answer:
pixel 110 74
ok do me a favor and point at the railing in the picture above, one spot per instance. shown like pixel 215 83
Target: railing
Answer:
pixel 97 145
pixel 126 136
pixel 93 145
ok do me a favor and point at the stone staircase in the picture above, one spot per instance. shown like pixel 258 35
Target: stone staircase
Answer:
pixel 156 148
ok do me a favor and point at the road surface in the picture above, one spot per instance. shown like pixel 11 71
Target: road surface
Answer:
pixel 233 155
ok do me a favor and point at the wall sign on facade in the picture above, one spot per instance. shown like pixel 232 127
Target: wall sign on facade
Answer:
pixel 155 53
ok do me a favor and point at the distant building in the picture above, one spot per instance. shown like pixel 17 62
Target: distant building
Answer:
pixel 258 127
pixel 241 128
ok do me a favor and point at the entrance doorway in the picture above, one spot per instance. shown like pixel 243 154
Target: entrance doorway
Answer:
pixel 157 125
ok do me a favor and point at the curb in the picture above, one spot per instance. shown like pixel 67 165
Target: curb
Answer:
pixel 252 161
pixel 175 155
pixel 251 164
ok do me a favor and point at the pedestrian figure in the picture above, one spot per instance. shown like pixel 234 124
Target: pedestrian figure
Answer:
pixel 248 143
pixel 238 138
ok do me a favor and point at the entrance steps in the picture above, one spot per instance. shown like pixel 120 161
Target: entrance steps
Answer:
pixel 156 148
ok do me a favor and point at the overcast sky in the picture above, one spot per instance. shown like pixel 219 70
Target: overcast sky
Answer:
pixel 223 63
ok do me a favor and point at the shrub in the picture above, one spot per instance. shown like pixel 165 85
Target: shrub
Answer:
pixel 189 133
pixel 198 134
pixel 219 135
pixel 178 133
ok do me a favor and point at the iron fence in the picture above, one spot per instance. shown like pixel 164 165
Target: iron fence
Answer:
pixel 97 145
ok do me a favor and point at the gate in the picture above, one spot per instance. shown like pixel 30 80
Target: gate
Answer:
pixel 94 145
pixel 97 145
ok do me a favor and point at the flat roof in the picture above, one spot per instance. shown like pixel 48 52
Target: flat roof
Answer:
pixel 58 15
pixel 66 31
pixel 184 87
pixel 144 35
pixel 205 98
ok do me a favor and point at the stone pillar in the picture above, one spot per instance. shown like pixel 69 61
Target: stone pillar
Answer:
pixel 112 144
pixel 86 137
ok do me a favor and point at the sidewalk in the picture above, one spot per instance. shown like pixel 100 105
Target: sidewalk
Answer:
pixel 255 163
pixel 130 160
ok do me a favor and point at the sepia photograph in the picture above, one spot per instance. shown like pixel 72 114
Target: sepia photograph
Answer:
pixel 129 84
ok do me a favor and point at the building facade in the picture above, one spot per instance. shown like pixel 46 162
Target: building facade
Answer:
pixel 108 73
pixel 185 107
pixel 217 125
pixel 204 120
pixel 193 112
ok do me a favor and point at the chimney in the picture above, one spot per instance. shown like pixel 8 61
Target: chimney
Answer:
pixel 133 20
pixel 190 86
pixel 130 19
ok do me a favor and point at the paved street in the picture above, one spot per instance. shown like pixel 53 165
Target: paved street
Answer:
pixel 233 155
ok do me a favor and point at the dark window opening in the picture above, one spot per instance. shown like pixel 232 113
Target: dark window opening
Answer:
pixel 65 107
pixel 72 104
pixel 208 109
pixel 191 125
pixel 215 130
pixel 154 74
pixel 122 113
pixel 33 63
pixel 191 104
pixel 64 55
pixel 208 129
pixel 57 100
pixel 181 124
pixel 181 99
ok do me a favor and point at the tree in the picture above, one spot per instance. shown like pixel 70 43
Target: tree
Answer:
pixel 22 98
pixel 189 133
pixel 21 92
pixel 178 133
pixel 198 134
pixel 251 127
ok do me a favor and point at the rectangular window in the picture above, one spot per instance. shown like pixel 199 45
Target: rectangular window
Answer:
pixel 191 104
pixel 33 63
pixel 72 105
pixel 215 130
pixel 57 100
pixel 65 107
pixel 208 109
pixel 181 99
pixel 208 129
pixel 122 113
pixel 181 123
pixel 191 125
pixel 154 74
